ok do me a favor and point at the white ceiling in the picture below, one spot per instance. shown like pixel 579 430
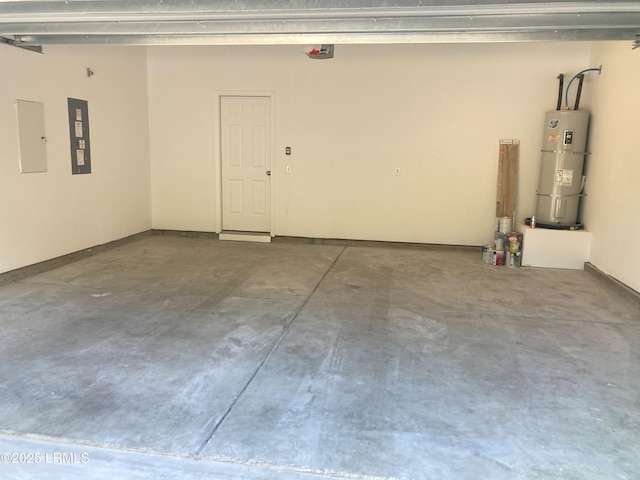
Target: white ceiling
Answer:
pixel 242 22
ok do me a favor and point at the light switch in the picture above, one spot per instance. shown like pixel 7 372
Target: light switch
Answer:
pixel 287 169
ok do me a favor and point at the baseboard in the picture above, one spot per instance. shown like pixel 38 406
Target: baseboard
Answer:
pixel 620 287
pixel 374 243
pixel 185 233
pixel 46 265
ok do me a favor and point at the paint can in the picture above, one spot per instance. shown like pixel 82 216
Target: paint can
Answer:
pixel 515 260
pixel 505 225
pixel 515 242
pixel 497 257
pixel 486 253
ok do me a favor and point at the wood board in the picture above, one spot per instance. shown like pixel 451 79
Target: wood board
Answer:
pixel 509 154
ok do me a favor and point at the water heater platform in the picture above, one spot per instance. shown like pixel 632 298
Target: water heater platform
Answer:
pixel 543 247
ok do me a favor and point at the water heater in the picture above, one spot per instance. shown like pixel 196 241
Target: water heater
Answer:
pixel 563 154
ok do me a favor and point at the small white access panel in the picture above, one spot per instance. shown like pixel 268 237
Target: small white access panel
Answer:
pixel 31 136
pixel 246 163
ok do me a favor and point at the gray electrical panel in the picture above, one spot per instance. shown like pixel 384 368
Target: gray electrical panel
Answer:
pixel 79 136
pixel 563 152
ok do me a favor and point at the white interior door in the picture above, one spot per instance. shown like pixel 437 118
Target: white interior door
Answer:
pixel 246 163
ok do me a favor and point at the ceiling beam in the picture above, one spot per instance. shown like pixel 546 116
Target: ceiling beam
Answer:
pixel 204 22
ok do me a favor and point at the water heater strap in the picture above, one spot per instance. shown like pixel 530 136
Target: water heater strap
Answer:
pixel 556 195
pixel 566 151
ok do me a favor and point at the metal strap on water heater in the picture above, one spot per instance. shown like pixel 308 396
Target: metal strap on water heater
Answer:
pixel 566 151
pixel 553 195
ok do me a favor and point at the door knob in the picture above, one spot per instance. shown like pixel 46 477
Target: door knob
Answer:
pixel 268 172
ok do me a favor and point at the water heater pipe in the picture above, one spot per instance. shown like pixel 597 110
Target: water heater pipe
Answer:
pixel 561 80
pixel 577 104
pixel 566 95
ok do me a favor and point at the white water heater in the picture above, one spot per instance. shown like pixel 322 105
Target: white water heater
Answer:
pixel 561 181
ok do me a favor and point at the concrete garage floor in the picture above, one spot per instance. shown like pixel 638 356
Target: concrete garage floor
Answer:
pixel 175 357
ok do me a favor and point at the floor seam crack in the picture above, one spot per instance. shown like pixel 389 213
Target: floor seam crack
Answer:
pixel 198 453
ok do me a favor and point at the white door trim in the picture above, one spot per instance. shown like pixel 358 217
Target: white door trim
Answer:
pixel 217 136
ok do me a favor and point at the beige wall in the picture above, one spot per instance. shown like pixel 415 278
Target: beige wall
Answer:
pixel 436 112
pixel 612 205
pixel 45 215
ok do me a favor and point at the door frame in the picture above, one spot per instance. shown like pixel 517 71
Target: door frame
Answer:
pixel 217 137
